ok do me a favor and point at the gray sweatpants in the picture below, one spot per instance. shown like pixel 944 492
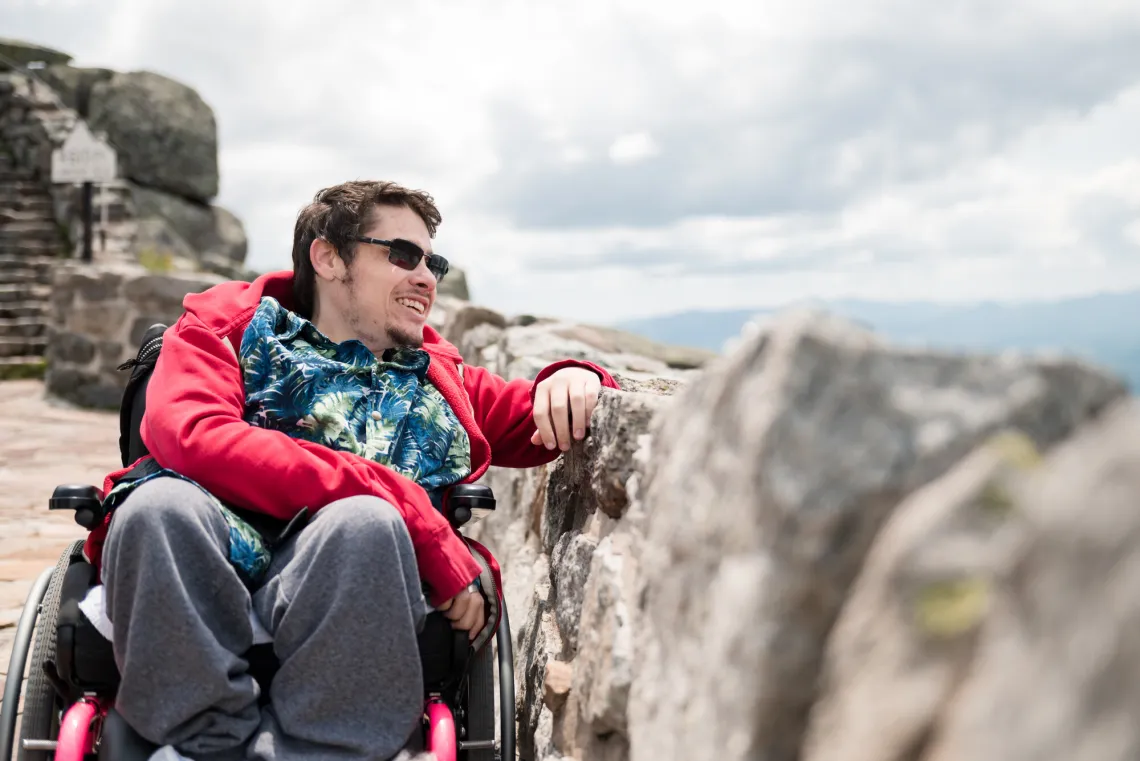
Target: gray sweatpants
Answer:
pixel 342 601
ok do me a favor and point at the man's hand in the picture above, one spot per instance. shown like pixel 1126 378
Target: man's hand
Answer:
pixel 563 404
pixel 465 611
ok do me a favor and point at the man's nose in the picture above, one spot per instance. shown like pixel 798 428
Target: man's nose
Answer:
pixel 421 275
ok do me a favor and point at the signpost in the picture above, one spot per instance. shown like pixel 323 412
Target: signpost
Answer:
pixel 84 158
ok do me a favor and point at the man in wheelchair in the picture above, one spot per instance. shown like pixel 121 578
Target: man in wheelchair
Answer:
pixel 302 431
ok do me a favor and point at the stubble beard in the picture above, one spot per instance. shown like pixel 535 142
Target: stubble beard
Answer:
pixel 396 337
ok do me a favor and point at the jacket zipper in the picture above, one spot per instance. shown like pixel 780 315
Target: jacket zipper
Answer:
pixel 149 348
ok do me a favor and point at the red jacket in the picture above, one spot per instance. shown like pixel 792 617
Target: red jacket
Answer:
pixel 193 425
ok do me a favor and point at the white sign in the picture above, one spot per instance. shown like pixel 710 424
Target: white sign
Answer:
pixel 83 158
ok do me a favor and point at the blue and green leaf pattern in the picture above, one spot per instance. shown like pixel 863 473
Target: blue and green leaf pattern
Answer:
pixel 342 396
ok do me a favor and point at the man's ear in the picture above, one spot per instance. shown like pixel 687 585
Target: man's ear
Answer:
pixel 326 262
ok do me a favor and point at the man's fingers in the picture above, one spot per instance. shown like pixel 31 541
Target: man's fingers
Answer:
pixel 592 391
pixel 477 626
pixel 446 604
pixel 542 415
pixel 467 614
pixel 472 615
pixel 560 413
pixel 579 417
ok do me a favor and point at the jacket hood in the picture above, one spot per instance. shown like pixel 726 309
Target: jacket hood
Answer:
pixel 230 305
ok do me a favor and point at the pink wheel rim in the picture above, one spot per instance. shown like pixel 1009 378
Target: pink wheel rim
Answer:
pixel 441 731
pixel 75 736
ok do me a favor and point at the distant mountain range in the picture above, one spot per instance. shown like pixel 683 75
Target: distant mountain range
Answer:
pixel 1104 328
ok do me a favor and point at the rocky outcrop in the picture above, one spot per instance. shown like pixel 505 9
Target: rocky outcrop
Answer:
pixel 804 550
pixel 17 53
pixel 1006 592
pixel 166 140
pixel 157 214
pixel 521 346
pixel 764 494
pixel 99 315
pixel 166 134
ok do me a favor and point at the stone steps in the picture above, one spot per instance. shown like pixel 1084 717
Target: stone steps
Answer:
pixel 22 347
pixel 23 215
pixel 11 293
pixel 34 250
pixel 18 309
pixel 28 223
pixel 31 246
pixel 28 202
pixel 26 243
pixel 20 187
pixel 16 275
pixel 38 205
pixel 41 265
pixel 22 327
pixel 10 175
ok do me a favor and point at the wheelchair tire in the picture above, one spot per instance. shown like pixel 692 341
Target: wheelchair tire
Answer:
pixel 480 713
pixel 42 705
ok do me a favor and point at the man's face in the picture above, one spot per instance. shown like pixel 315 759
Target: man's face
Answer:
pixel 379 303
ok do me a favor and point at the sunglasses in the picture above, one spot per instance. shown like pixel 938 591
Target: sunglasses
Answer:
pixel 407 255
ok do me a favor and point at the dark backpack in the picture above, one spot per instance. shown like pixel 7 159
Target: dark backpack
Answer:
pixel 131 446
pixel 133 405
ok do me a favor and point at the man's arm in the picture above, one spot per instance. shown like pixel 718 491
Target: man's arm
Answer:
pixel 504 411
pixel 193 425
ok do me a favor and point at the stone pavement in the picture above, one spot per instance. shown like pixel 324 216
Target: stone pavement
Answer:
pixel 43 443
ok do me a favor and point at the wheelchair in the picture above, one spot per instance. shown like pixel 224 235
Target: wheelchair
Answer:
pixel 68 704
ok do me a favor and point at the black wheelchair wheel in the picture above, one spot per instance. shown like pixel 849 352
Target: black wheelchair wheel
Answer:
pixel 506 687
pixel 42 704
pixel 480 710
pixel 14 679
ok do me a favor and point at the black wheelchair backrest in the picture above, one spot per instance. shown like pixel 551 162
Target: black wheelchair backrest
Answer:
pixel 133 404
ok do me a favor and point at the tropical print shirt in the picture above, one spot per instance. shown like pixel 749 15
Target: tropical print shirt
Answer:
pixel 299 382
pixel 342 396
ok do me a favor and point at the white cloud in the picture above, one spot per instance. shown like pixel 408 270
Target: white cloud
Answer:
pixel 629 149
pixel 800 148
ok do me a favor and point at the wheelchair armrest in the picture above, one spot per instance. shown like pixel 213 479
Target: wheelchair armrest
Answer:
pixel 83 499
pixel 466 501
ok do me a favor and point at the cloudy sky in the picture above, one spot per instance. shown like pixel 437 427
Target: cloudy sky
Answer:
pixel 601 160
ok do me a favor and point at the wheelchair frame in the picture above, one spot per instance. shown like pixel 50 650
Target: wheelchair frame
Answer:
pixel 81 725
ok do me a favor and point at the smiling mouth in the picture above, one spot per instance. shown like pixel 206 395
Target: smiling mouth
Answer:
pixel 415 306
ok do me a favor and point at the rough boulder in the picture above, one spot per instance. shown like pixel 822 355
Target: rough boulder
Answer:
pixel 824 547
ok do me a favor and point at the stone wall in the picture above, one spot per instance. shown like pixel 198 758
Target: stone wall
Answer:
pixel 825 547
pixel 99 314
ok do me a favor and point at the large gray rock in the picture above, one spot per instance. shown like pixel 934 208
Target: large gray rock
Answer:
pixel 20 53
pixel 165 133
pixel 73 84
pixel 455 285
pixel 909 629
pixel 604 668
pixel 522 350
pixel 202 233
pixel 766 484
pixel 1054 677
